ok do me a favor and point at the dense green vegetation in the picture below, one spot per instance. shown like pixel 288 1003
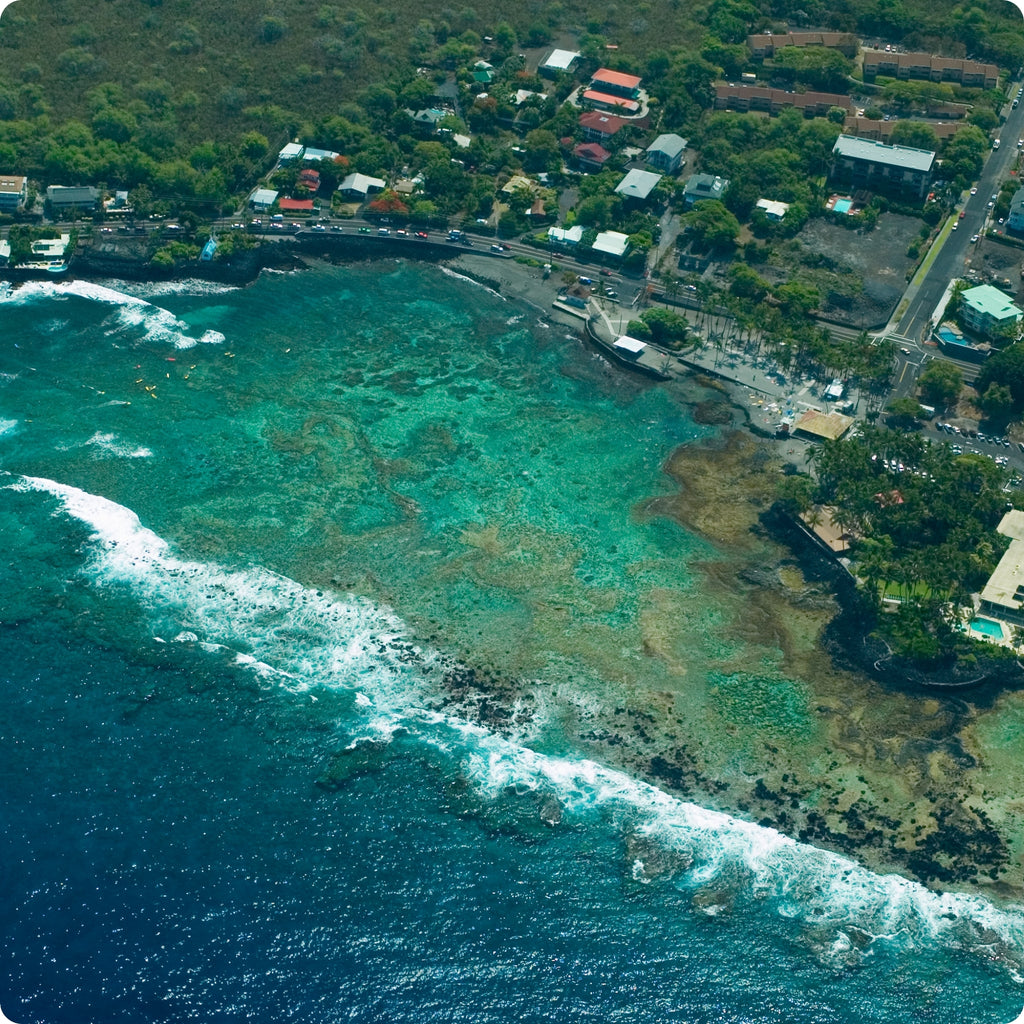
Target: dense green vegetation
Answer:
pixel 192 100
pixel 923 527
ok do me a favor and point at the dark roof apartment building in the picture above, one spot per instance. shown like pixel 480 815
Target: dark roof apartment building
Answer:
pixel 774 101
pixel 925 67
pixel 864 163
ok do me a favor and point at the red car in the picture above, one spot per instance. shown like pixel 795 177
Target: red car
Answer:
pixel 963 213
pixel 422 234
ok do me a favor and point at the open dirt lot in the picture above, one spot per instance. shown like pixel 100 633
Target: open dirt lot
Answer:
pixel 995 263
pixel 861 276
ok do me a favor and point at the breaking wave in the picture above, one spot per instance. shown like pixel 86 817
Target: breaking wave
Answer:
pixel 304 640
pixel 158 324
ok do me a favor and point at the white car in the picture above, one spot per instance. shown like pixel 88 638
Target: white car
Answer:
pixel 974 191
pixel 974 238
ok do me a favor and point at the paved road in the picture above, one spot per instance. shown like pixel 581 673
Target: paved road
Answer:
pixel 950 261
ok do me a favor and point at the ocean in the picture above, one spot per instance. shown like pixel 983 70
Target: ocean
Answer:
pixel 321 601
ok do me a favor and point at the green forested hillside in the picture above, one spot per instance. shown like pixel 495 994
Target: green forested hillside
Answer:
pixel 192 98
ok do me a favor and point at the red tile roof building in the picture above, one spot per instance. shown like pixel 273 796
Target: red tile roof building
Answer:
pixel 295 205
pixel 606 101
pixel 615 82
pixel 600 127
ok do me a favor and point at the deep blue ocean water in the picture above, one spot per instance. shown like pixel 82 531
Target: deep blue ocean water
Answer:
pixel 230 790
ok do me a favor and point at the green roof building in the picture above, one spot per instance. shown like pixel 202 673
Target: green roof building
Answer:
pixel 985 309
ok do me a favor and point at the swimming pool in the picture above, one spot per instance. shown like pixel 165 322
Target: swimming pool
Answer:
pixel 987 627
pixel 843 205
pixel 948 335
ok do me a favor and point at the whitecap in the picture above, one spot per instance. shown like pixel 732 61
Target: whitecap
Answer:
pixel 304 640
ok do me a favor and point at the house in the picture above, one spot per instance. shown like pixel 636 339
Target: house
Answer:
pixel 666 152
pixel 426 119
pixel 359 186
pixel 923 66
pixel 263 198
pixel 567 237
pixel 600 127
pixel 1015 221
pixel 868 164
pixel 290 153
pixel 773 210
pixel 607 101
pixel 704 186
pixel 616 83
pixel 744 98
pixel 591 156
pixel 986 310
pixel 638 185
pixel 13 191
pixel 516 182
pixel 611 243
pixel 50 253
pixel 79 197
pixel 522 95
pixel 319 154
pixel 295 205
pixel 5 252
pixel 308 178
pixel 1003 595
pixel 559 62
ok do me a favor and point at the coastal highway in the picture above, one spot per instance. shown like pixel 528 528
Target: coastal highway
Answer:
pixel 949 263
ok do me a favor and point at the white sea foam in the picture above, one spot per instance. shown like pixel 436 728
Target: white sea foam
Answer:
pixel 110 444
pixel 8 427
pixel 158 324
pixel 469 280
pixel 303 640
pixel 155 289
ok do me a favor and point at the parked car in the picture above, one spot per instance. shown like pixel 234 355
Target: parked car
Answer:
pixel 422 234
pixel 974 238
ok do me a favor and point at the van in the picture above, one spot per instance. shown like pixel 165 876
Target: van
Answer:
pixel 497 248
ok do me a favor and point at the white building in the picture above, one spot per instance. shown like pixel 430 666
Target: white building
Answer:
pixel 611 243
pixel 566 236
pixel 359 186
pixel 773 210
pixel 262 198
pixel 559 62
pixel 638 185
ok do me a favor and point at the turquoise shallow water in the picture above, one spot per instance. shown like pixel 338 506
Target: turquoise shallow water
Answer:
pixel 247 534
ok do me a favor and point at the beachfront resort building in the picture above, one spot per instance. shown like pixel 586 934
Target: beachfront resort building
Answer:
pixel 873 165
pixel 1003 595
pixel 987 311
pixel 13 192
